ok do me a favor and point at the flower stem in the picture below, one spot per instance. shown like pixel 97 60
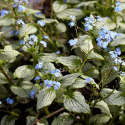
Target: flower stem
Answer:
pixel 5 74
pixel 115 14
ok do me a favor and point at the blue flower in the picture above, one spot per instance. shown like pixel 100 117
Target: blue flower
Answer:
pixel 65 1
pixel 32 93
pixel 88 26
pixel 73 18
pixel 121 73
pixel 118 8
pixel 72 24
pixel 41 84
pixel 117 60
pixel 41 23
pixel 12 32
pixel 115 68
pixel 16 0
pixel 99 18
pixel 9 101
pixel 22 42
pixel 117 3
pixel 43 43
pixel 113 54
pixel 56 85
pixel 73 42
pixel 45 37
pixel 58 52
pixel 88 80
pixel 17 32
pixel 56 72
pixel 37 78
pixel 4 12
pixel 118 51
pixel 21 8
pixel 48 83
pixel 32 39
pixel 20 22
pixel 39 13
pixel 39 65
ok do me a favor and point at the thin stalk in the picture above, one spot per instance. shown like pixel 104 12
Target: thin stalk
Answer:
pixel 10 112
pixel 82 64
pixel 5 74
pixel 107 6
pixel 40 30
pixel 48 116
pixel 115 14
pixel 46 111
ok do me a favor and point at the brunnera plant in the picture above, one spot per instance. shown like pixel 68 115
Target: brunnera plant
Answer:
pixel 64 70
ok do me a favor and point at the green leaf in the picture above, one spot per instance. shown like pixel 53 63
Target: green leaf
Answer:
pixel 30 119
pixel 87 3
pixel 76 103
pixel 113 97
pixel 120 40
pixel 72 1
pixel 8 120
pixel 68 80
pixel 6 21
pixel 107 78
pixel 59 96
pixel 8 54
pixel 65 14
pixel 6 31
pixel 3 79
pixel 72 62
pixel 99 119
pixel 79 83
pixel 122 82
pixel 86 45
pixel 24 71
pixel 107 22
pixel 39 16
pixel 28 29
pixel 3 92
pixel 57 121
pixel 61 27
pixel 104 107
pixel 58 6
pixel 47 57
pixel 63 119
pixel 31 11
pixel 66 118
pixel 45 97
pixel 90 70
pixel 50 21
pixel 23 90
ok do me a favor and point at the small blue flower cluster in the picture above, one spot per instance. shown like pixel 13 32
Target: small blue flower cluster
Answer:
pixel 32 93
pixel 50 83
pixel 37 78
pixel 58 52
pixel 65 1
pixel 41 23
pixel 9 101
pixel 55 72
pixel 89 23
pixel 43 43
pixel 89 79
pixel 21 8
pixel 118 8
pixel 22 42
pixel 105 37
pixel 20 22
pixel 39 65
pixel 12 32
pixel 73 42
pixel 32 39
pixel 45 37
pixel 72 23
pixel 4 12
